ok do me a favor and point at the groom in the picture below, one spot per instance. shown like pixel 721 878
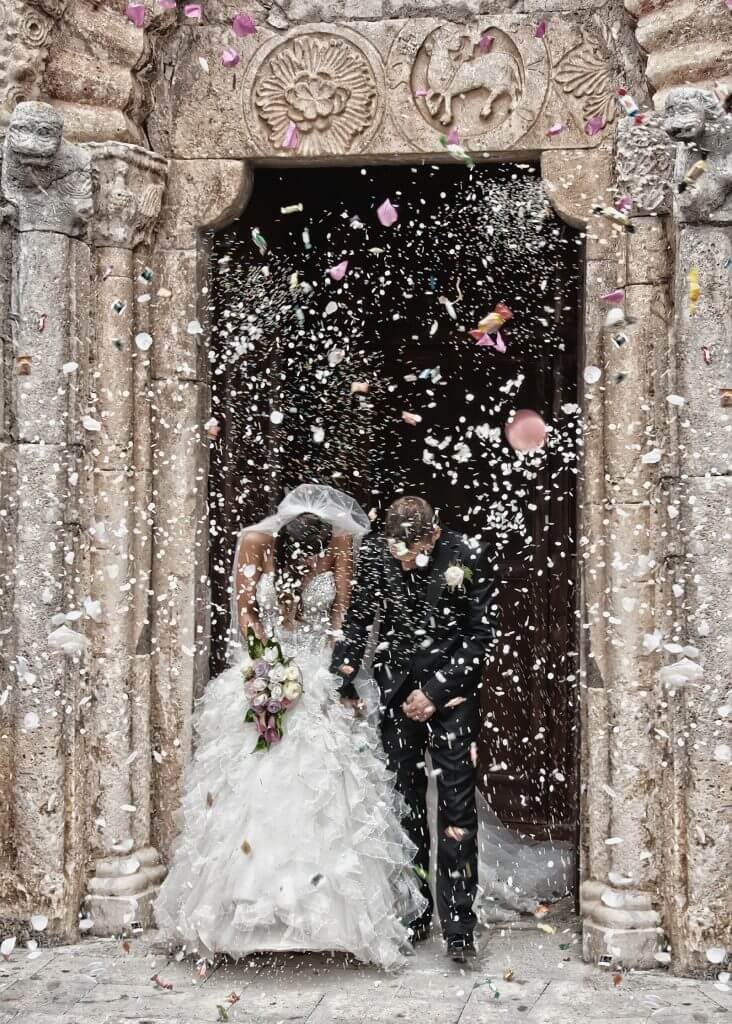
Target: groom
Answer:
pixel 431 595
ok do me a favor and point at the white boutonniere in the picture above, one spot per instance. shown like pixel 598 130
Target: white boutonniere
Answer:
pixel 456 575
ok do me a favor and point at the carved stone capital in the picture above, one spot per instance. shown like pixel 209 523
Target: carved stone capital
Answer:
pixel 129 183
pixel 697 122
pixel 46 182
pixel 644 165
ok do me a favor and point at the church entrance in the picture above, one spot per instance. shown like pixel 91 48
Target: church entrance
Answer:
pixel 341 354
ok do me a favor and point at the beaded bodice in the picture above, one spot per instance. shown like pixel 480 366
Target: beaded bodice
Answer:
pixel 309 631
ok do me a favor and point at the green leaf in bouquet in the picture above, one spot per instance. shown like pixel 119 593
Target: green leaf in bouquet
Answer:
pixel 254 644
pixel 467 573
pixel 261 744
pixel 249 716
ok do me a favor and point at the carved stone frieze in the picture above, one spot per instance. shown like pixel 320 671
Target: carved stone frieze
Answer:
pixel 696 120
pixel 46 182
pixel 25 34
pixel 129 183
pixel 586 73
pixel 325 84
pixel 440 71
pixel 644 165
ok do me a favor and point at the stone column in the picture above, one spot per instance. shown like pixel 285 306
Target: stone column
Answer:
pixel 697 754
pixel 201 194
pixel 129 184
pixel 47 197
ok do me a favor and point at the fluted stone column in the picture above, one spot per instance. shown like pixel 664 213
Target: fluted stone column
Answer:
pixel 47 200
pixel 129 184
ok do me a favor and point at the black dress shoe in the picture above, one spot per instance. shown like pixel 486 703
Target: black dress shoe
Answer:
pixel 460 948
pixel 419 931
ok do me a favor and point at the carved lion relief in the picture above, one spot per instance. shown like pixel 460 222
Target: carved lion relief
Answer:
pixel 441 73
pixel 322 82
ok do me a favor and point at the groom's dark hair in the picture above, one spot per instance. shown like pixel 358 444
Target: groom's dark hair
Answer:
pixel 409 519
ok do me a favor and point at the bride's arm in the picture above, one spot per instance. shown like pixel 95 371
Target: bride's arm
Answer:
pixel 342 571
pixel 253 552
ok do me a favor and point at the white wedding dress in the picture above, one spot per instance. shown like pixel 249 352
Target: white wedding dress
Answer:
pixel 298 847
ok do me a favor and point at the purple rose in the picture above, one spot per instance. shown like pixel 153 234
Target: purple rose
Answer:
pixel 261 668
pixel 274 706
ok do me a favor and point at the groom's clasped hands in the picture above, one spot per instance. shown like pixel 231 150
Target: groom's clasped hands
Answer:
pixel 417 707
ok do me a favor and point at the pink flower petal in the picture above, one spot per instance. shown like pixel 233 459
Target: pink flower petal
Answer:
pixel 485 42
pixel 616 296
pixel 292 136
pixel 387 214
pixel 420 92
pixel 483 341
pixel 540 30
pixel 555 130
pixel 136 14
pixel 242 25
pixel 500 344
pixel 229 57
pixel 594 125
pixel 167 5
pixel 453 137
pixel 192 10
pixel 338 272
pixel 623 203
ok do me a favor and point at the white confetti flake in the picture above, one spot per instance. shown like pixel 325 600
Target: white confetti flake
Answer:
pixel 652 457
pixel 39 922
pixel 194 327
pixel 69 642
pixel 723 753
pixel 89 423
pixel 7 946
pixel 70 367
pixel 675 400
pixel 31 721
pixel 276 417
pixel 143 341
pixel 716 954
pixel 592 374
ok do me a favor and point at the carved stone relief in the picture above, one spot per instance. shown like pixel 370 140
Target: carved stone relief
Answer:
pixel 493 96
pixel 697 120
pixel 644 165
pixel 585 73
pixel 46 182
pixel 327 85
pixel 129 183
pixel 25 33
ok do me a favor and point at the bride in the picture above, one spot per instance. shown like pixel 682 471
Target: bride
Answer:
pixel 298 847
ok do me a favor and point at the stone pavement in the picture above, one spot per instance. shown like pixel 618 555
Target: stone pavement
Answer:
pixel 99 981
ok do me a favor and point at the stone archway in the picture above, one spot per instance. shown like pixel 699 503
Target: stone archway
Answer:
pixel 141 462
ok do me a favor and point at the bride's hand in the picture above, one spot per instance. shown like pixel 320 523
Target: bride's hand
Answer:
pixel 353 704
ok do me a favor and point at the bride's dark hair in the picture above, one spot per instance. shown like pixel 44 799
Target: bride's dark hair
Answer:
pixel 303 537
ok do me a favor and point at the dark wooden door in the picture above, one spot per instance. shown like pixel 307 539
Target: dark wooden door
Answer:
pixel 400 336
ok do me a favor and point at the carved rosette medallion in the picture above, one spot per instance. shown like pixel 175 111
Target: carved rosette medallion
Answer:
pixel 585 73
pixel 328 84
pixel 644 165
pixel 439 78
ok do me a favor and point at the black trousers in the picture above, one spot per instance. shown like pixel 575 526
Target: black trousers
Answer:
pixel 447 737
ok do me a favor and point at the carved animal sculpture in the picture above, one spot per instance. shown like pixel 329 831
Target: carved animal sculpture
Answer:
pixel 697 119
pixel 454 70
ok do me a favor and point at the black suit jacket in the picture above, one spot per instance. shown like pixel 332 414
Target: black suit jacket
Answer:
pixel 438 641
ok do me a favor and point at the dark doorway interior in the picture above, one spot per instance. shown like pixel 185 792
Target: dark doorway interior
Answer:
pixel 287 350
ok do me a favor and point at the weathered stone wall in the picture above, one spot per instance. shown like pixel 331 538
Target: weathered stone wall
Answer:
pixel 115 514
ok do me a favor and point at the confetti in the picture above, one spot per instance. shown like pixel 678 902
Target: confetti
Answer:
pixel 692 175
pixel 161 983
pixel 259 240
pixel 193 11
pixel 615 296
pixel 387 214
pixel 295 208
pixel 593 125
pixel 242 25
pixel 540 30
pixel 291 139
pixel 612 214
pixel 485 42
pixel 338 272
pixel 229 57
pixel 694 291
pixel 526 431
pixel 136 14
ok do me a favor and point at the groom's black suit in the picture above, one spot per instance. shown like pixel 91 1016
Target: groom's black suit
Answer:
pixel 433 638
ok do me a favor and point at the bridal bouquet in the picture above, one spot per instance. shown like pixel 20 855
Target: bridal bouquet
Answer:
pixel 272 684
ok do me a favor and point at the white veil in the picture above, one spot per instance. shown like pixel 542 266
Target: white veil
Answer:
pixel 341 511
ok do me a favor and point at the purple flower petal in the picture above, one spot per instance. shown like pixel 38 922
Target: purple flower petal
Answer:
pixel 616 296
pixel 540 30
pixel 420 92
pixel 242 25
pixel 594 125
pixel 136 14
pixel 229 57
pixel 167 5
pixel 338 272
pixel 192 10
pixel 292 136
pixel 485 42
pixel 623 203
pixel 555 130
pixel 387 214
pixel 453 137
